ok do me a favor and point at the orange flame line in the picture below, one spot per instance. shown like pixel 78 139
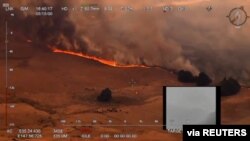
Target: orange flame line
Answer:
pixel 101 60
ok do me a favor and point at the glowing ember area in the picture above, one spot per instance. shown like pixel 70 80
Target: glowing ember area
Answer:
pixel 101 60
pixel 29 41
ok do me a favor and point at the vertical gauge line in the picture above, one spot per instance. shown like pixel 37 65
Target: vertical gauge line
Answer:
pixel 6 74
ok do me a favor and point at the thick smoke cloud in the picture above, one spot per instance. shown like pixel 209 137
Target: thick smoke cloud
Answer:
pixel 132 38
pixel 46 31
pixel 192 40
pixel 195 40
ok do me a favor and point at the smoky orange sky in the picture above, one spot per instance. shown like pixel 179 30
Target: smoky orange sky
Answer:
pixel 195 40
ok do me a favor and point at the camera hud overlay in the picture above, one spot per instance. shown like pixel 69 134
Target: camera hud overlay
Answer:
pixel 95 69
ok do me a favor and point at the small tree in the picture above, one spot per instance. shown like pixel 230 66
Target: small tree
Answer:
pixel 105 96
pixel 203 79
pixel 229 87
pixel 185 76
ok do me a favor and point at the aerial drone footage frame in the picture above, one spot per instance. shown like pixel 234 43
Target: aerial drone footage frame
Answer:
pixel 96 69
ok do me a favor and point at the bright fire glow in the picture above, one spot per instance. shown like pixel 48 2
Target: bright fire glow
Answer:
pixel 29 41
pixel 101 60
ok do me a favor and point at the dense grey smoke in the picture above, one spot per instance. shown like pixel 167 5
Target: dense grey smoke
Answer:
pixel 134 37
pixel 195 40
pixel 46 31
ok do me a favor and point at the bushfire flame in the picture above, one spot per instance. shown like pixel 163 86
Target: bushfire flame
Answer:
pixel 100 60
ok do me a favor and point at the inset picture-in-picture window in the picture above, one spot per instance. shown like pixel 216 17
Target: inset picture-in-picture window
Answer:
pixel 189 106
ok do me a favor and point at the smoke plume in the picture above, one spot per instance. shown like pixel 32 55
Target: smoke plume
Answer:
pixel 194 40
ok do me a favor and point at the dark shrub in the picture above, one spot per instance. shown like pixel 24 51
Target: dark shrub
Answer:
pixel 203 79
pixel 185 76
pixel 229 87
pixel 105 96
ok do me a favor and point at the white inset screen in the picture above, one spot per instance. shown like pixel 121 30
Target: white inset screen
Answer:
pixel 190 105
